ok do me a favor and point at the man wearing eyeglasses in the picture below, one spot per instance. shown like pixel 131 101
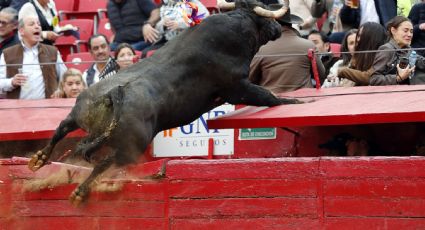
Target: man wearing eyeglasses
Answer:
pixel 8 28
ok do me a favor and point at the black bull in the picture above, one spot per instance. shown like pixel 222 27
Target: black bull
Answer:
pixel 202 68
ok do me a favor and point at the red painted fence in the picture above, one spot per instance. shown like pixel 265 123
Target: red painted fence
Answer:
pixel 275 193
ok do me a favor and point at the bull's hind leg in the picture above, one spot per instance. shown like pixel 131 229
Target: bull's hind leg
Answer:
pixel 250 94
pixel 83 190
pixel 40 158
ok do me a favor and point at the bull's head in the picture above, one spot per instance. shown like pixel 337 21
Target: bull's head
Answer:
pixel 268 28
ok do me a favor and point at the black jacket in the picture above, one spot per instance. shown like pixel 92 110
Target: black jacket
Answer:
pixel 128 17
pixel 386 9
pixel 417 16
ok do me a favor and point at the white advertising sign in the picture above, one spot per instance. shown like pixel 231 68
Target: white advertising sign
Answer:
pixel 192 139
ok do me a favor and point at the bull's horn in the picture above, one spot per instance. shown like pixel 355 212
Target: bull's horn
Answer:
pixel 222 4
pixel 272 14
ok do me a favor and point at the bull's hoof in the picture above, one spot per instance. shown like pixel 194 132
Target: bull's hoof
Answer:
pixel 37 161
pixel 77 197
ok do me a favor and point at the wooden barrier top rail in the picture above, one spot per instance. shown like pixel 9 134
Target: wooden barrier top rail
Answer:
pixel 334 106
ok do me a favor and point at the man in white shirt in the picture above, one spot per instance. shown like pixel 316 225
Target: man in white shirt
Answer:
pixel 30 70
pixel 99 49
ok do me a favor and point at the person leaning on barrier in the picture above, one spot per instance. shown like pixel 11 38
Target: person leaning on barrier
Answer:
pixel 274 68
pixel 8 28
pixel 387 69
pixel 41 65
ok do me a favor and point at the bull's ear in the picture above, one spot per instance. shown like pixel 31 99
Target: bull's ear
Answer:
pixel 222 4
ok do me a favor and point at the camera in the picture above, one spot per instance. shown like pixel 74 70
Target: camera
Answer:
pixel 404 62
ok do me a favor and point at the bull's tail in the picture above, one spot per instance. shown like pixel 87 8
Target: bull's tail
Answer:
pixel 114 98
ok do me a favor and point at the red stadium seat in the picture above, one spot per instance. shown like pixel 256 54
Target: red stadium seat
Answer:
pixel 81 61
pixel 211 5
pixel 70 44
pixel 335 49
pixel 321 20
pixel 89 9
pixel 105 28
pixel 64 7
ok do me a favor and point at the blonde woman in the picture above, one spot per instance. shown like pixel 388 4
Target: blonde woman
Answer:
pixel 71 85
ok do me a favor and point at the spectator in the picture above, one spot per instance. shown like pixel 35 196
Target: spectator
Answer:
pixel 4 3
pixel 347 50
pixel 99 49
pixel 176 16
pixel 284 73
pixel 71 85
pixel 301 8
pixel 370 37
pixel 387 70
pixel 133 22
pixel 47 15
pixel 404 7
pixel 8 28
pixel 37 80
pixel 322 44
pixel 125 55
pixel 417 16
pixel 379 11
pixel 17 4
pixel 332 26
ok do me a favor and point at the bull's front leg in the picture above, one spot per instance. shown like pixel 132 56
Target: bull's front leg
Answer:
pixel 250 94
pixel 40 158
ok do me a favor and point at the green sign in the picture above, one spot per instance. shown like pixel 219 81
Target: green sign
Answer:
pixel 257 134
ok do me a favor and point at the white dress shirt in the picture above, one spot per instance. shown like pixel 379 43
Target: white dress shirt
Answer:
pixel 34 88
pixel 96 75
pixel 368 12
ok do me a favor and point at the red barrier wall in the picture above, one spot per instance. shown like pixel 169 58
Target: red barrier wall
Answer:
pixel 276 193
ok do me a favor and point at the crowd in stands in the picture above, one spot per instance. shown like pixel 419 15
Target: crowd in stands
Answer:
pixel 358 42
pixel 371 38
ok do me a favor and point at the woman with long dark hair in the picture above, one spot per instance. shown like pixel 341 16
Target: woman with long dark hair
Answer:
pixel 347 50
pixel 371 36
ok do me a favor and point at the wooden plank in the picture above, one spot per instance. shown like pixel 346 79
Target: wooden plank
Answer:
pixel 131 223
pixel 53 223
pixel 381 167
pixel 374 207
pixel 243 207
pixel 5 199
pixel 130 190
pixel 62 208
pixel 275 168
pixel 359 105
pixel 155 168
pixel 376 187
pixel 243 188
pixel 7 104
pixel 72 223
pixel 281 223
pixel 33 119
pixel 374 223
